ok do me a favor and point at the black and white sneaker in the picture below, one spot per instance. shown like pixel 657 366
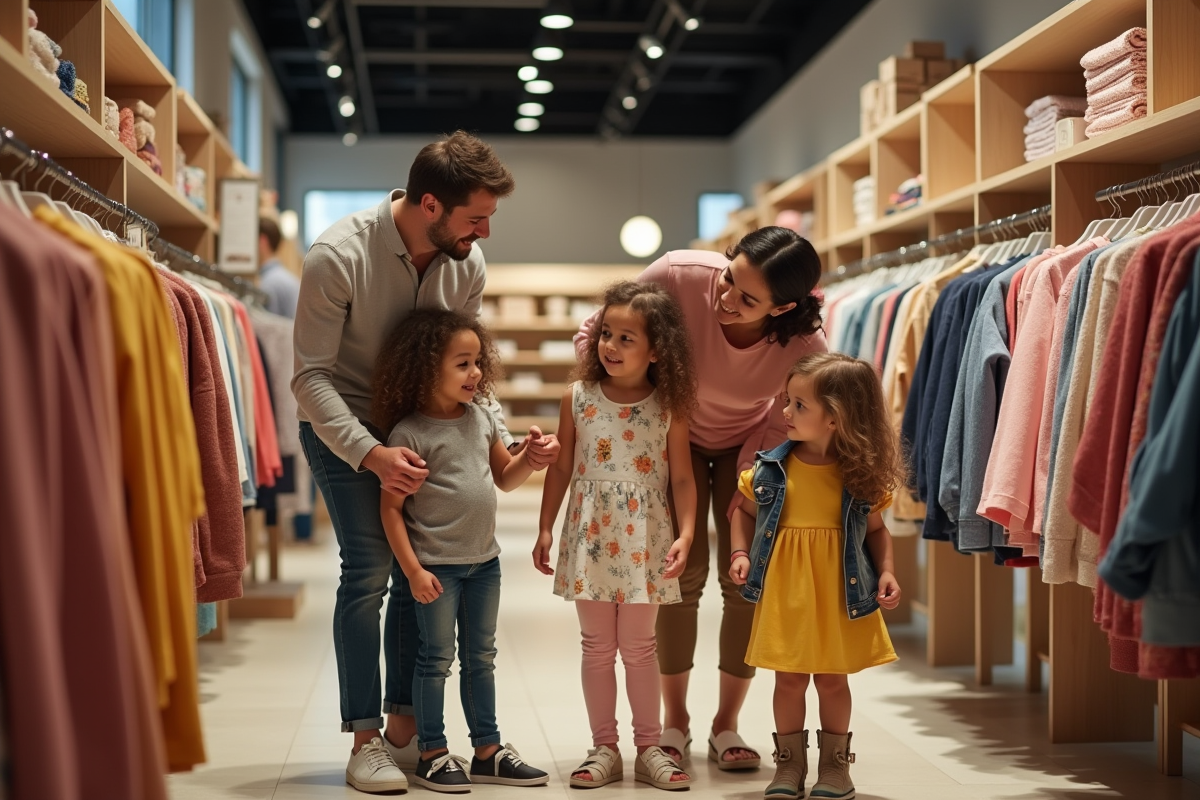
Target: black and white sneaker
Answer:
pixel 506 768
pixel 444 773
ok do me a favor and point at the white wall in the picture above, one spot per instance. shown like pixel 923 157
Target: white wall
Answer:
pixel 215 21
pixel 573 194
pixel 817 111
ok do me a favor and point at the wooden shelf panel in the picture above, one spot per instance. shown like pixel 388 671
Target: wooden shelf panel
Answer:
pixel 548 392
pixel 532 358
pixel 190 118
pixel 548 280
pixel 799 189
pixel 905 125
pixel 1161 137
pixel 566 328
pixel 1058 42
pixel 77 26
pixel 151 196
pixel 128 61
pixel 857 152
pixel 522 424
pixel 958 89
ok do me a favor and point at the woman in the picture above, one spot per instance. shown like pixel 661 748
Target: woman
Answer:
pixel 751 315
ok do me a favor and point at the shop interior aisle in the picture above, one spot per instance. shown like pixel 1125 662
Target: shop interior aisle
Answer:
pixel 270 710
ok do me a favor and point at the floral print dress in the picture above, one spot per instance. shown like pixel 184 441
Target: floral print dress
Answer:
pixel 618 529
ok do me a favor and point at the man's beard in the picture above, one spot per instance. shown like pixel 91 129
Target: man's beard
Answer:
pixel 441 238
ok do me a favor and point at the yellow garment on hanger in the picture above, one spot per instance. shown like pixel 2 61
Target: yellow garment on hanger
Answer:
pixel 912 335
pixel 161 474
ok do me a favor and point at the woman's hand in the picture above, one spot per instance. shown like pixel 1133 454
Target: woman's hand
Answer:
pixel 739 570
pixel 541 553
pixel 425 587
pixel 889 591
pixel 677 558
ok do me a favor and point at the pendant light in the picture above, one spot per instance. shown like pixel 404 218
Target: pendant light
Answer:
pixel 548 45
pixel 557 15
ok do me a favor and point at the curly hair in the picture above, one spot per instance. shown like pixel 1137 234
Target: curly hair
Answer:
pixel 409 365
pixel 672 374
pixel 791 268
pixel 868 449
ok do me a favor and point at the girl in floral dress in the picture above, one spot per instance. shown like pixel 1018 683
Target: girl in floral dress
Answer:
pixel 620 425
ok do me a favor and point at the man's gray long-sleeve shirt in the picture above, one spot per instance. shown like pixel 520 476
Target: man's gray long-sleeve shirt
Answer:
pixel 358 284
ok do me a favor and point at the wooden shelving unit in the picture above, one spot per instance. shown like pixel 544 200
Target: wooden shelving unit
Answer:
pixel 542 281
pixel 114 62
pixel 966 138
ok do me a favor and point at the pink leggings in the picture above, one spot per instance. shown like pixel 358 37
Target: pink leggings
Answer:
pixel 607 628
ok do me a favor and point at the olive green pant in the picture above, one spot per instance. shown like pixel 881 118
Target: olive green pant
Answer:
pixel 716 482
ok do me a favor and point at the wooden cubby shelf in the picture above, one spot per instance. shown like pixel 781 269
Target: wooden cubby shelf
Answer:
pixel 966 138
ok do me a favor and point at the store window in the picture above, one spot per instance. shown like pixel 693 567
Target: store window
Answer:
pixel 245 103
pixel 154 21
pixel 239 110
pixel 323 207
pixel 714 212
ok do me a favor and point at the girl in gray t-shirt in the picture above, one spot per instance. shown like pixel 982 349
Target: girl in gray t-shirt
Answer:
pixel 431 381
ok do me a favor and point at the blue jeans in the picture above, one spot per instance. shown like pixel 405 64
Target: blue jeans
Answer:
pixel 367 564
pixel 470 598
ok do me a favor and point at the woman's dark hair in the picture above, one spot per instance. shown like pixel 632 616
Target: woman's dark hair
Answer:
pixel 791 268
pixel 672 374
pixel 410 363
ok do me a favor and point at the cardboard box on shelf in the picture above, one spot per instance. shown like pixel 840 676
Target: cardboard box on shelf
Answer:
pixel 937 70
pixel 895 97
pixel 868 105
pixel 909 71
pixel 927 50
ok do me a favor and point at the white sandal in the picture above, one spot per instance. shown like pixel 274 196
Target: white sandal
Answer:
pixel 677 740
pixel 657 768
pixel 603 764
pixel 725 741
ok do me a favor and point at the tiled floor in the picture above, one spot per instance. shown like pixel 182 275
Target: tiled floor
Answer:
pixel 270 697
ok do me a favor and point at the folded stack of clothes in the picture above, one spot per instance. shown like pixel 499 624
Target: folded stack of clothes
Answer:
pixel 1043 114
pixel 907 195
pixel 1116 82
pixel 864 201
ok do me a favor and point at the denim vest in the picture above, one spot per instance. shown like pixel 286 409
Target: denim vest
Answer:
pixel 858 571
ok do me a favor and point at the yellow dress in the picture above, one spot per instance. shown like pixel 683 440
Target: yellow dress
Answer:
pixel 800 622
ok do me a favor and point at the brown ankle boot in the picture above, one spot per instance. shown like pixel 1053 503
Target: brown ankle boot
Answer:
pixel 791 767
pixel 833 770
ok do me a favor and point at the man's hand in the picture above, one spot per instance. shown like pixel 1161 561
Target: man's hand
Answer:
pixel 400 470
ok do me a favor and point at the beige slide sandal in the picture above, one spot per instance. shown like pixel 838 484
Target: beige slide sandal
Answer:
pixel 657 768
pixel 603 764
pixel 725 741
pixel 676 740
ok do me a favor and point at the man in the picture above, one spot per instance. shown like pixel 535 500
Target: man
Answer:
pixel 281 286
pixel 362 277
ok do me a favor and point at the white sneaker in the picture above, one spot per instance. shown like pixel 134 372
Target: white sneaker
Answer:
pixel 406 757
pixel 372 770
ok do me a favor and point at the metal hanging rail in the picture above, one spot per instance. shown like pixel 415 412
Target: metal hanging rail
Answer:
pixel 174 256
pixel 1189 172
pixel 915 252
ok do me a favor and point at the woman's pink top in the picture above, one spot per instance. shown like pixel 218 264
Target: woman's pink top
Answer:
pixel 739 388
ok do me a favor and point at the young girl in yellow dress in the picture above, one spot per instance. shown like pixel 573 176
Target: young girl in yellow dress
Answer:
pixel 812 551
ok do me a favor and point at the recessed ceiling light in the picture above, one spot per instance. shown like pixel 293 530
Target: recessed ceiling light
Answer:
pixel 527 124
pixel 691 23
pixel 334 71
pixel 315 22
pixel 346 107
pixel 539 87
pixel 527 73
pixel 531 109
pixel 629 102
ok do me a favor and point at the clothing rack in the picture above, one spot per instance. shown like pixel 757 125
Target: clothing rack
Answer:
pixel 172 255
pixel 181 260
pixel 48 168
pixel 914 252
pixel 1171 178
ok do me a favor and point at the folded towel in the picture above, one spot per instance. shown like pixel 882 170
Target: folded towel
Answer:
pixel 1044 104
pixel 1034 155
pixel 1034 142
pixel 1103 78
pixel 1132 83
pixel 1096 112
pixel 1131 40
pixel 1048 119
pixel 1134 109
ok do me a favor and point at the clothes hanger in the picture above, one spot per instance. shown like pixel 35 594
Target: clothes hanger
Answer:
pixel 1139 219
pixel 37 199
pixel 1191 203
pixel 75 191
pixel 1168 209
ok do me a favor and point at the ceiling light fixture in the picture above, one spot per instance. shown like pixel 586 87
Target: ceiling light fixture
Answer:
pixel 557 15
pixel 548 46
pixel 527 124
pixel 334 71
pixel 641 236
pixel 539 87
pixel 651 46
pixel 629 102
pixel 527 73
pixel 346 106
pixel 691 23
pixel 321 16
pixel 350 139
pixel 531 109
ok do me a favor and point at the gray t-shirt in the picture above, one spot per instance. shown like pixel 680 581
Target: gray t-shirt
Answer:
pixel 452 517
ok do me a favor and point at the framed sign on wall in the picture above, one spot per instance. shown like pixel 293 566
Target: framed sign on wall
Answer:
pixel 238 247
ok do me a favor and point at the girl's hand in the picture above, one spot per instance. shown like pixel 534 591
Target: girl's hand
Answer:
pixel 739 570
pixel 543 448
pixel 425 587
pixel 677 558
pixel 889 591
pixel 541 553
